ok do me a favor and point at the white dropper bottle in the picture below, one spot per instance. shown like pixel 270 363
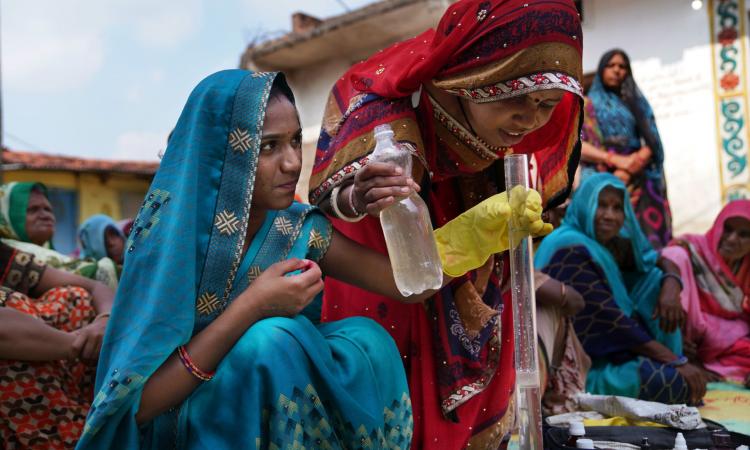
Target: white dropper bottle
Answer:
pixel 680 443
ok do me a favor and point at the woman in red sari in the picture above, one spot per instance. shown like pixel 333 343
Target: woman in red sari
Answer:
pixel 494 77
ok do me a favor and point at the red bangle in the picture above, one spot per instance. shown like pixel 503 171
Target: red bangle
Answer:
pixel 191 367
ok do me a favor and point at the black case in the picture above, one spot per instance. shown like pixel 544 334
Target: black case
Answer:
pixel 659 438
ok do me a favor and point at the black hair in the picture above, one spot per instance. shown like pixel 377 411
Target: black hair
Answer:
pixel 280 88
pixel 614 190
pixel 607 57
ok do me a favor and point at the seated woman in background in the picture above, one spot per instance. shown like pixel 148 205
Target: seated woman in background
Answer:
pixel 27 223
pixel 101 238
pixel 51 327
pixel 716 295
pixel 629 326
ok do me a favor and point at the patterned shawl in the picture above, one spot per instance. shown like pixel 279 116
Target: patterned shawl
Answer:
pixel 185 247
pixel 722 292
pixel 482 51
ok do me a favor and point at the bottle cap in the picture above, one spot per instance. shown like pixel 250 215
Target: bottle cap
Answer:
pixel 576 428
pixel 585 443
pixel 383 130
pixel 680 443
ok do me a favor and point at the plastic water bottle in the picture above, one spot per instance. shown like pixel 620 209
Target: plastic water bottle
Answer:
pixel 407 226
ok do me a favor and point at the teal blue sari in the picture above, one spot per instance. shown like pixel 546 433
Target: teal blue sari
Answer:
pixel 288 382
pixel 619 301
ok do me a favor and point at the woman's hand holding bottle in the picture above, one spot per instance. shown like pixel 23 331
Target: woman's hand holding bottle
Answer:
pixel 378 185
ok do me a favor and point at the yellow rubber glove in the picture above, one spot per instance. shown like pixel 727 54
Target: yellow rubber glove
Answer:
pixel 466 242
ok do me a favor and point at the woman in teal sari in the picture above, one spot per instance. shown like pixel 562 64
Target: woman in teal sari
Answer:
pixel 197 267
pixel 630 324
pixel 214 340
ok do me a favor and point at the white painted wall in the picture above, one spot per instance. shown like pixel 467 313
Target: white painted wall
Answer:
pixel 668 43
pixel 311 88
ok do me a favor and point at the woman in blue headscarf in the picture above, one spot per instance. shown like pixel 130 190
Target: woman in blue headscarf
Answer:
pixel 217 247
pixel 620 136
pixel 101 238
pixel 630 324
pixel 214 340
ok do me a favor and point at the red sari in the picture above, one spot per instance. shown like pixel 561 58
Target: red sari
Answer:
pixel 457 347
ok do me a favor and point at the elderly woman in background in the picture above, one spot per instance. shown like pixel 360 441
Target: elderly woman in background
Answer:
pixel 716 294
pixel 27 223
pixel 630 324
pixel 620 136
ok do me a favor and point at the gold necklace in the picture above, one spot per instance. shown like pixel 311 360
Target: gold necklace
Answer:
pixel 475 143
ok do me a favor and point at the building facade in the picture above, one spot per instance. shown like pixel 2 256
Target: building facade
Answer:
pixel 80 188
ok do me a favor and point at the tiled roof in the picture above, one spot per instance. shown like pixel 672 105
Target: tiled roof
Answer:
pixel 15 160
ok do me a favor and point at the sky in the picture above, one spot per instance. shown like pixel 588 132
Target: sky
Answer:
pixel 108 78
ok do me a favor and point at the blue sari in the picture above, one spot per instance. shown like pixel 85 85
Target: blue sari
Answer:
pixel 619 124
pixel 288 382
pixel 619 302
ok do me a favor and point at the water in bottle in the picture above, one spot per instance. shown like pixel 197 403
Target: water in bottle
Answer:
pixel 407 227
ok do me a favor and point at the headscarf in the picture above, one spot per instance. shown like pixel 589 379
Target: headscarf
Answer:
pixel 578 229
pixel 92 236
pixel 14 201
pixel 482 51
pixel 626 116
pixel 722 292
pixel 185 247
